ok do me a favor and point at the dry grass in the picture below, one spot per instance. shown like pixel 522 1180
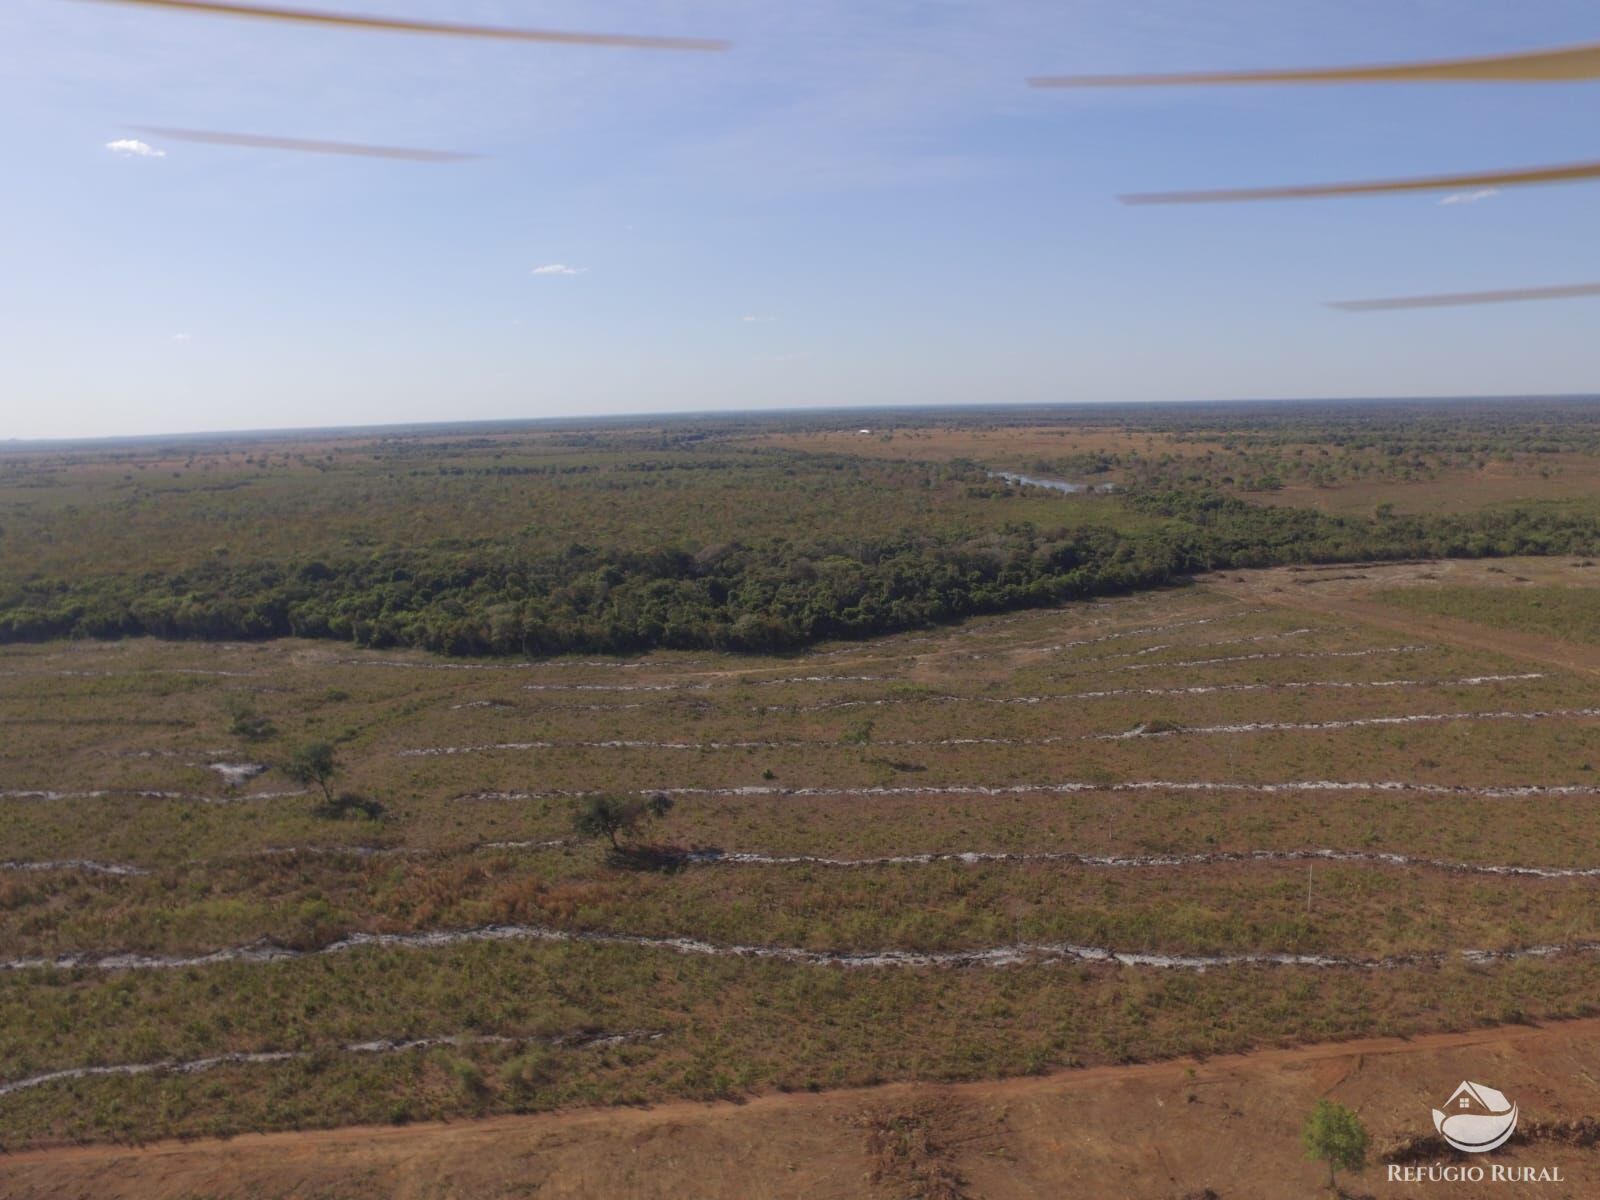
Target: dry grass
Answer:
pixel 145 716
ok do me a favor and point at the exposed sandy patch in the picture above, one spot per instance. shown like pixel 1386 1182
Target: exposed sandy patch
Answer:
pixel 1150 1132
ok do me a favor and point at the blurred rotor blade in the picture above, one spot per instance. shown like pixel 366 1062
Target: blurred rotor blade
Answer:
pixel 273 12
pixel 258 141
pixel 1562 64
pixel 1424 183
pixel 1452 299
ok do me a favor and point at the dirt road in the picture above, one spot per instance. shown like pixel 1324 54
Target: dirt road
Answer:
pixel 1161 1131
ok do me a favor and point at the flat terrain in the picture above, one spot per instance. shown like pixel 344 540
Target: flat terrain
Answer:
pixel 1001 444
pixel 1154 1132
pixel 1218 817
pixel 1457 489
pixel 983 817
pixel 1527 608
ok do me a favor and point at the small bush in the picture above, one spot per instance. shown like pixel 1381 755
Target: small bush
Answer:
pixel 350 804
pixel 528 1070
pixel 243 718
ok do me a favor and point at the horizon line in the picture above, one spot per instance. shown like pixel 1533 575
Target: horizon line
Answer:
pixel 14 443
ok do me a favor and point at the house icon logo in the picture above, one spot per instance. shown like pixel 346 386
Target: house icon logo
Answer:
pixel 1476 1118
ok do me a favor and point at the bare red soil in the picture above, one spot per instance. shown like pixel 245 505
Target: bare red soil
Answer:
pixel 1160 1131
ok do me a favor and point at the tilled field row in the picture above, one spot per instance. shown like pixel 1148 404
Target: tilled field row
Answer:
pixel 1015 954
pixel 1287 787
pixel 1291 787
pixel 1199 689
pixel 756 858
pixel 143 794
pixel 94 867
pixel 194 1066
pixel 1144 731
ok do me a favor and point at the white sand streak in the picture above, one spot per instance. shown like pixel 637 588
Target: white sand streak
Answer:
pixel 616 687
pixel 1143 631
pixel 1531 791
pixel 1207 689
pixel 758 858
pixel 81 865
pixel 1203 689
pixel 194 1066
pixel 733 681
pixel 1160 646
pixel 991 956
pixel 1141 731
pixel 612 744
pixel 1138 731
pixel 235 774
pixel 66 673
pixel 1115 861
pixel 89 866
pixel 141 794
pixel 1268 656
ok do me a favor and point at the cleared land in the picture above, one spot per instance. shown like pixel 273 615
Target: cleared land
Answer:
pixel 1120 814
pixel 1154 1132
pixel 1526 608
pixel 1058 838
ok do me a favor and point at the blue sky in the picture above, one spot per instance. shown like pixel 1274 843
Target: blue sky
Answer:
pixel 860 203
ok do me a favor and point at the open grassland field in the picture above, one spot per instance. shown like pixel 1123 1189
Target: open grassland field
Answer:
pixel 1522 603
pixel 1155 1131
pixel 1017 446
pixel 1411 457
pixel 1264 808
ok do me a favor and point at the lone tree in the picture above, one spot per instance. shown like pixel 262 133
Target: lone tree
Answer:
pixel 610 815
pixel 314 763
pixel 1335 1135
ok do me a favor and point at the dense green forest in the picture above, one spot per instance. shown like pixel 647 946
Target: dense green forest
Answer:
pixel 621 540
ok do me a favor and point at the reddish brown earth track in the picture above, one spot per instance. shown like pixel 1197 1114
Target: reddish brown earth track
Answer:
pixel 1157 1131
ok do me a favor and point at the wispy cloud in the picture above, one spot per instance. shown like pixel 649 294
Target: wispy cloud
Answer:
pixel 756 319
pixel 134 148
pixel 559 269
pixel 182 337
pixel 1470 197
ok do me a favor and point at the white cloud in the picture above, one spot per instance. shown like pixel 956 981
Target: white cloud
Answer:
pixel 134 148
pixel 755 318
pixel 182 337
pixel 1470 197
pixel 559 269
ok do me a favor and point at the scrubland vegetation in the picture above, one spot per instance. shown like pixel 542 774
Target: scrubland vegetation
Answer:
pixel 1203 817
pixel 629 540
pixel 1559 612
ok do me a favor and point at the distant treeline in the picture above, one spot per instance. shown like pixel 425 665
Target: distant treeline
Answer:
pixel 770 594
